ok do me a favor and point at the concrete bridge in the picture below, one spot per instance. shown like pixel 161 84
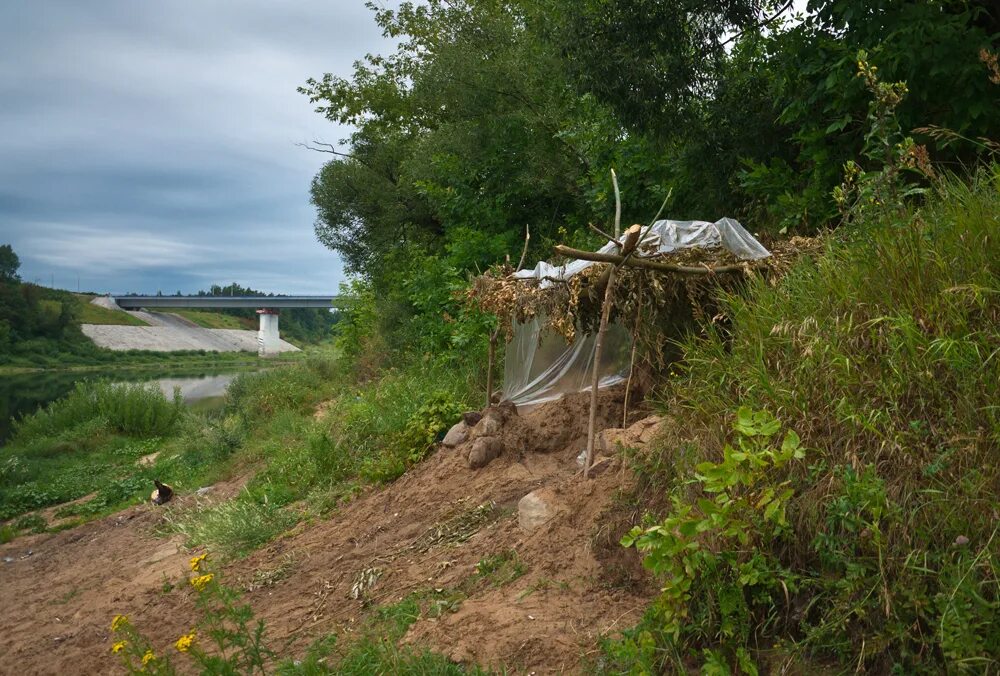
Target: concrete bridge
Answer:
pixel 268 338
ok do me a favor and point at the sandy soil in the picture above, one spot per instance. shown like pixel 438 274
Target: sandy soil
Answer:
pixel 578 585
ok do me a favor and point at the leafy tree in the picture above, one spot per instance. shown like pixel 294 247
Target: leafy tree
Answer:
pixel 493 115
pixel 650 60
pixel 9 264
pixel 933 46
pixel 459 142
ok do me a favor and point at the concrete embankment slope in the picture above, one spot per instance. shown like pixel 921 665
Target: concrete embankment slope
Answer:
pixel 168 332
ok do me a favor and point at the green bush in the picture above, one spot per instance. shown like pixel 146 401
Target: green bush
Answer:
pixel 882 354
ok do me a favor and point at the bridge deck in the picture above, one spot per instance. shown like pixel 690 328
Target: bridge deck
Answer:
pixel 257 302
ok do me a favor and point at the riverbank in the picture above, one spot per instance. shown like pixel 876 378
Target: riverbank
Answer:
pixel 157 360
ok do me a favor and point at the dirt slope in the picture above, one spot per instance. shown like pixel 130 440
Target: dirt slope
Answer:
pixel 577 584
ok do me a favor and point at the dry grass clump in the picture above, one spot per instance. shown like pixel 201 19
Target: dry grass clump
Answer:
pixel 657 307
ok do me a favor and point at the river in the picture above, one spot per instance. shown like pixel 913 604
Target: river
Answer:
pixel 24 393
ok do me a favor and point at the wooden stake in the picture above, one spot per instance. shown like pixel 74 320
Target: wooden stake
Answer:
pixel 618 205
pixel 489 367
pixel 631 363
pixel 631 240
pixel 595 379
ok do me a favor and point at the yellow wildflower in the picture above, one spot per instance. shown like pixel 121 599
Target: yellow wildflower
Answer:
pixel 118 622
pixel 196 562
pixel 148 657
pixel 118 647
pixel 201 581
pixel 185 642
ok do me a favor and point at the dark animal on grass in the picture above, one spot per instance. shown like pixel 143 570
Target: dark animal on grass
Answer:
pixel 162 494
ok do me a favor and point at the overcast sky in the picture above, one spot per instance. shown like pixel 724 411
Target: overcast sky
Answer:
pixel 150 146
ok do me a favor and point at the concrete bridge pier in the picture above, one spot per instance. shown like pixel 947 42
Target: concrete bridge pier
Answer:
pixel 268 339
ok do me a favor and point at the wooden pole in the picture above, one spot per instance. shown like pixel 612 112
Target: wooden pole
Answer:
pixel 631 363
pixel 595 379
pixel 630 243
pixel 618 205
pixel 489 367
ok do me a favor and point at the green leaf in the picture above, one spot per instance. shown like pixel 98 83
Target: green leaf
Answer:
pixel 791 445
pixel 838 125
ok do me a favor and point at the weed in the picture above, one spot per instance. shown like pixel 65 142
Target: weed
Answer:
pixel 226 640
pixel 232 528
pixel 167 586
pixel 501 569
pixel 34 523
pixel 374 650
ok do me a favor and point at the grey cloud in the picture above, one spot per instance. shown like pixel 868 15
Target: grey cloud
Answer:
pixel 151 146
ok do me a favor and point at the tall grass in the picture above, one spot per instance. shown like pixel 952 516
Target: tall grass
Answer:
pixel 134 409
pixel 884 355
pixel 233 528
pixel 366 433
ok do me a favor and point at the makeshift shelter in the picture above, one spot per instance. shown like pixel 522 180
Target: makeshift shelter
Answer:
pixel 542 365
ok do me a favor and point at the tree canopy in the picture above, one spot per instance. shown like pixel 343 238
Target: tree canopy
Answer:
pixel 493 115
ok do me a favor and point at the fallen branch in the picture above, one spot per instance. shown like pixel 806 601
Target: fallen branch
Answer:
pixel 660 266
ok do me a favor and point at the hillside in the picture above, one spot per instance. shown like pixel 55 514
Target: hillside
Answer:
pixel 779 487
pixel 214 320
pixel 538 600
pixel 772 235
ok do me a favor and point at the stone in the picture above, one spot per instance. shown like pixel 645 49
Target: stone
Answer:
pixel 494 418
pixel 470 418
pixel 484 450
pixel 535 509
pixel 489 426
pixel 458 434
pixel 600 465
pixel 637 435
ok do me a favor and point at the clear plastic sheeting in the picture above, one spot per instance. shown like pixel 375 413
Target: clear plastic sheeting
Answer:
pixel 540 366
pixel 664 237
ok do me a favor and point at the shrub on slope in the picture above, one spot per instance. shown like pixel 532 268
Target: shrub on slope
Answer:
pixel 884 357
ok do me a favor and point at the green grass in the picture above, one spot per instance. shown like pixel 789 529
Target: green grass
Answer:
pixel 90 442
pixel 88 313
pixel 310 466
pixel 500 569
pixel 233 528
pixel 884 355
pixel 85 356
pixel 374 649
pixel 213 320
